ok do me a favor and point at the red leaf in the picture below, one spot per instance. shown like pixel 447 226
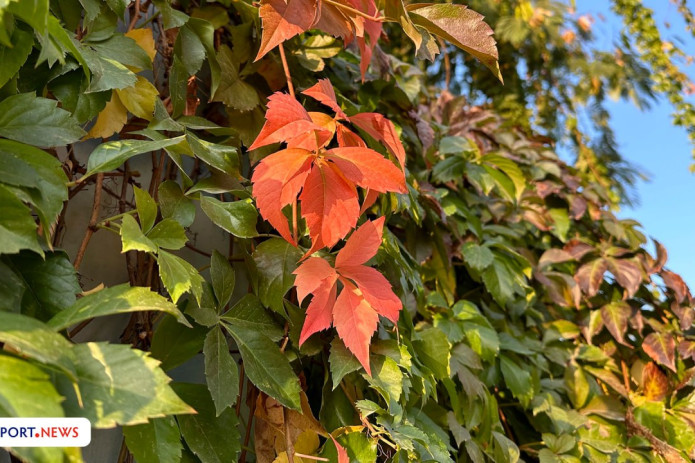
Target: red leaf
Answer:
pixel 283 20
pixel 347 137
pixel 677 284
pixel 285 119
pixel 628 274
pixel 333 21
pixel 383 130
pixel 277 180
pixel 366 293
pixel 319 315
pixel 661 347
pixel 590 275
pixel 323 92
pixel 369 199
pixel 342 453
pixel 362 244
pixel 367 31
pixel 356 321
pixel 376 289
pixel 310 275
pixel 615 316
pixel 330 205
pixel 661 257
pixel 368 169
pixel 315 139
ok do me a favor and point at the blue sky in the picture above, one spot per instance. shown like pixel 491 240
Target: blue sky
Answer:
pixel 667 201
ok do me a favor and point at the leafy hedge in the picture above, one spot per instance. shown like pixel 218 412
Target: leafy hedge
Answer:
pixel 519 317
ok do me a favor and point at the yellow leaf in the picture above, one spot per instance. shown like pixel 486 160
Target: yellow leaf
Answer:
pixel 307 444
pixel 144 39
pixel 110 120
pixel 139 99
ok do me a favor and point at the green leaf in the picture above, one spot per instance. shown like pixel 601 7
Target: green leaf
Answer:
pixel 250 314
pixel 238 217
pixel 360 448
pixel 122 50
pixel 25 390
pixel 117 299
pixel 107 74
pixel 175 205
pixel 147 208
pixel 460 26
pixel 387 378
pixel 119 385
pixel 561 223
pixel 179 276
pixel 223 278
pixel 172 18
pixel 221 370
pixel 132 237
pixel 37 121
pixel 214 439
pixel 233 91
pixel 518 380
pixel 274 261
pixel 434 351
pixel 576 384
pixel 17 228
pixel 109 156
pixel 342 361
pixel 157 441
pixel 476 256
pixel 221 157
pixel 12 289
pixel 174 343
pixel 12 58
pixel 51 283
pixel 33 12
pixel 31 338
pixel 40 176
pixel 71 89
pixel 267 367
pixel 168 234
pixel 505 450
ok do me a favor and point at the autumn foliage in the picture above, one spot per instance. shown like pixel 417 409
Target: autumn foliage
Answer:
pixel 335 255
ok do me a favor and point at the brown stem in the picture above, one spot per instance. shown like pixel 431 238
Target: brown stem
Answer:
pixel 136 15
pixel 290 87
pixel 91 228
pixel 288 438
pixel 252 411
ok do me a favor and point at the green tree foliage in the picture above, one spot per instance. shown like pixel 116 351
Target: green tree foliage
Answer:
pixel 521 319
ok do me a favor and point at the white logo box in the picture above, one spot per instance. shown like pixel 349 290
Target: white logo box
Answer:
pixel 45 432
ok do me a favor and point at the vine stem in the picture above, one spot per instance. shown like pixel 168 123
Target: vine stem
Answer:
pixel 136 16
pixel 290 87
pixel 91 228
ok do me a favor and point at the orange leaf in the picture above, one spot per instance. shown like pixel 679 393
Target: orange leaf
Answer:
pixel 277 180
pixel 347 137
pixel 654 382
pixel 310 275
pixel 285 119
pixel 342 453
pixel 376 289
pixel 318 314
pixel 362 244
pixel 283 20
pixel 323 93
pixel 383 130
pixel 315 139
pixel 330 205
pixel 368 169
pixel 355 320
